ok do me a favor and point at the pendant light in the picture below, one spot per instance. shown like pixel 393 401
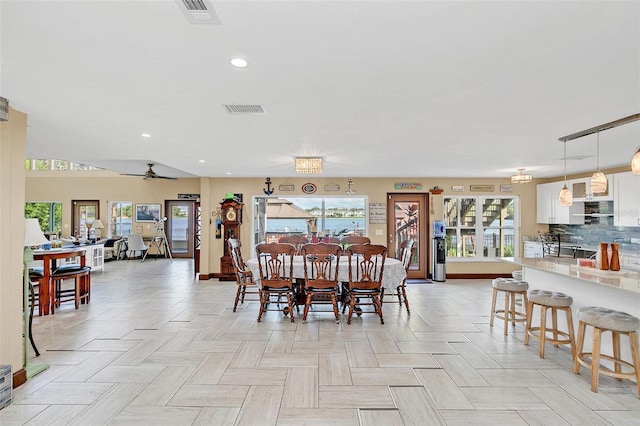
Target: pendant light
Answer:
pixel 598 180
pixel 635 163
pixel 566 197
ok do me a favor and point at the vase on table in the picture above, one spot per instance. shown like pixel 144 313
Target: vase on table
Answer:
pixel 604 256
pixel 614 265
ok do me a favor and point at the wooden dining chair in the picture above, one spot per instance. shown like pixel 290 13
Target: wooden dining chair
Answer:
pixel 321 265
pixel 354 239
pixel 297 240
pixel 366 267
pixel 407 248
pixel 275 264
pixel 244 277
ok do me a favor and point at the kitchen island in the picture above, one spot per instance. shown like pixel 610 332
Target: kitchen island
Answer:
pixel 619 290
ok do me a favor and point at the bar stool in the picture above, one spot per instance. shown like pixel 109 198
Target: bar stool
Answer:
pixel 517 275
pixel 82 285
pixel 603 319
pixel 511 288
pixel 554 301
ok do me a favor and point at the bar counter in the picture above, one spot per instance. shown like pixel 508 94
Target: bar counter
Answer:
pixel 618 290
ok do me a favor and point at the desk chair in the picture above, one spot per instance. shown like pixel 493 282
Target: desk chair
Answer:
pixel 136 243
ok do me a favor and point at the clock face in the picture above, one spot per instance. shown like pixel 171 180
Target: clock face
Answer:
pixel 231 215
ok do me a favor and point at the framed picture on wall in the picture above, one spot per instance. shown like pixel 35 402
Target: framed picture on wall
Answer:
pixel 147 212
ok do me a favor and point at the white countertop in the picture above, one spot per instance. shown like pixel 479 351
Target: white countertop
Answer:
pixel 628 280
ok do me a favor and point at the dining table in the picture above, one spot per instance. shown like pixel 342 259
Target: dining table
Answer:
pixel 392 275
pixel 49 258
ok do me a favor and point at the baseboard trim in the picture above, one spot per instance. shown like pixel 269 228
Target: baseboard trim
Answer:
pixel 19 377
pixel 477 276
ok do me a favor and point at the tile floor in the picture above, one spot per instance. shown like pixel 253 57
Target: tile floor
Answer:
pixel 156 346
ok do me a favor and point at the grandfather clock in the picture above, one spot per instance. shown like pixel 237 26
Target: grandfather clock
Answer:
pixel 231 211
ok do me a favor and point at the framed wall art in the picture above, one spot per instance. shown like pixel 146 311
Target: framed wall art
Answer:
pixel 147 212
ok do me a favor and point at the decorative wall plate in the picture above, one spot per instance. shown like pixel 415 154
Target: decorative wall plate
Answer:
pixel 309 188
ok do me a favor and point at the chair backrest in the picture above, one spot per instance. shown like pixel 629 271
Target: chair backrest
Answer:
pixel 366 265
pixel 275 263
pixel 355 239
pixel 135 243
pixel 243 274
pixel 407 247
pixel 334 240
pixel 297 240
pixel 321 264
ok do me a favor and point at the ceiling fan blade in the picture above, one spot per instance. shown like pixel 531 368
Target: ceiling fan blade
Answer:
pixel 162 177
pixel 130 174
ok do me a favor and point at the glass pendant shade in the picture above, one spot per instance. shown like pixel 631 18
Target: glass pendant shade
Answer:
pixel 598 182
pixel 635 163
pixel 566 198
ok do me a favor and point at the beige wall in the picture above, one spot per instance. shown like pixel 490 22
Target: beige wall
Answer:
pixel 13 136
pixel 108 186
pixel 377 189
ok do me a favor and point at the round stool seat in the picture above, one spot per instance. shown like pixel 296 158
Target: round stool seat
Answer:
pixel 517 275
pixel 510 284
pixel 608 319
pixel 550 298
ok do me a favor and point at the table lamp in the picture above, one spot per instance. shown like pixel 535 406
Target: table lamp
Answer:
pixel 98 227
pixel 33 237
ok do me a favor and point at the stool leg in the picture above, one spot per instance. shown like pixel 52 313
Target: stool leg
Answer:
pixel 595 359
pixel 635 356
pixel 527 327
pixel 554 322
pixel 493 306
pixel 512 309
pixel 580 343
pixel 615 340
pixel 507 310
pixel 570 332
pixel 543 329
pixel 77 291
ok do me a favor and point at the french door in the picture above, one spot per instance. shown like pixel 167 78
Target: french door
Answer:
pixel 407 218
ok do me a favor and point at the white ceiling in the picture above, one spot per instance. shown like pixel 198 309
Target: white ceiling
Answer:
pixel 385 88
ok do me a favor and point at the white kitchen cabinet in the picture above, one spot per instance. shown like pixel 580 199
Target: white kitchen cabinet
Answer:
pixel 533 249
pixel 626 203
pixel 549 209
pixel 581 189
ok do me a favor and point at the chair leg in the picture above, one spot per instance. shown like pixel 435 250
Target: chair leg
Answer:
pixel 352 303
pixel 290 303
pixel 378 304
pixel 263 303
pixel 404 296
pixel 235 304
pixel 306 307
pixel 335 306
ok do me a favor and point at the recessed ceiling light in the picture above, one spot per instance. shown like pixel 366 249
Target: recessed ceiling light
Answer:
pixel 145 135
pixel 201 161
pixel 238 62
pixel 227 173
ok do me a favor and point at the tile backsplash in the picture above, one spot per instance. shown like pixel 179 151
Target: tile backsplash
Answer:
pixel 590 236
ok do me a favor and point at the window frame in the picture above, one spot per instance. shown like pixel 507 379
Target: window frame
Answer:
pixel 479 227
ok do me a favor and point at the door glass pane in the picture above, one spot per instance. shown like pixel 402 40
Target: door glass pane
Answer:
pixel 406 219
pixel 179 229
pixel 87 215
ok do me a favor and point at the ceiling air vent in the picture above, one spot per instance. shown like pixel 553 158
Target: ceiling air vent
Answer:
pixel 244 109
pixel 198 11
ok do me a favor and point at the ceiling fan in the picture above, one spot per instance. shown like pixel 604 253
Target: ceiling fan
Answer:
pixel 150 174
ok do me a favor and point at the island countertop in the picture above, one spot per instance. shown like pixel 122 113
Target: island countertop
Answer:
pixel 625 279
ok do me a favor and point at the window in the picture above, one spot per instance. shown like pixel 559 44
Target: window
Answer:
pixel 309 216
pixel 120 217
pixel 480 227
pixel 49 216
